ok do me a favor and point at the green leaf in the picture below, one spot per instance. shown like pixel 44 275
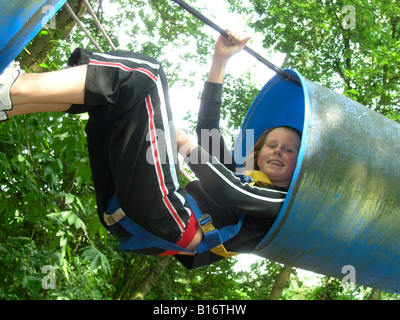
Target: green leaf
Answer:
pixel 69 198
pixel 98 259
pixel 63 241
pixel 72 218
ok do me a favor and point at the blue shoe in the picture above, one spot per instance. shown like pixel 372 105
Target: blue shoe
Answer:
pixel 7 78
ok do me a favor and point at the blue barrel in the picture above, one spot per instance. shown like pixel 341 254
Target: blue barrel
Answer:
pixel 342 211
pixel 20 21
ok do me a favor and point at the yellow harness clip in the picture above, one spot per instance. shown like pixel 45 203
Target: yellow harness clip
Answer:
pixel 205 224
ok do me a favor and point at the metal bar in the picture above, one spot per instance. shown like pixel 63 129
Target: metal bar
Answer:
pixel 207 21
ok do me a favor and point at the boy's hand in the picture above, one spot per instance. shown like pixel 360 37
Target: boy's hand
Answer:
pixel 227 47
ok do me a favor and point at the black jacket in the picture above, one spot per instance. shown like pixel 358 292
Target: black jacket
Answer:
pixel 220 193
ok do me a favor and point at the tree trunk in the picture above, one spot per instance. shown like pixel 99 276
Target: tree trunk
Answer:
pixel 374 295
pixel 39 48
pixel 280 283
pixel 134 291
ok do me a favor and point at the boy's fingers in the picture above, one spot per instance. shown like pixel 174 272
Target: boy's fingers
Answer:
pixel 237 38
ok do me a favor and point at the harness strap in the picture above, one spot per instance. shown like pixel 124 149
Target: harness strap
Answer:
pixel 111 219
pixel 211 234
pixel 141 238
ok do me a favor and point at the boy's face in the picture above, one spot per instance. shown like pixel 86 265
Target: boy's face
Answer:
pixel 278 157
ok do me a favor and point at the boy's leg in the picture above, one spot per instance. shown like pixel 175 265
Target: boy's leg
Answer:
pixel 38 92
pixel 56 87
pixel 35 108
pixel 139 158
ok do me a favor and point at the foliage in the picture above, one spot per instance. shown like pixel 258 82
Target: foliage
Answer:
pixel 48 210
pixel 219 281
pixel 350 46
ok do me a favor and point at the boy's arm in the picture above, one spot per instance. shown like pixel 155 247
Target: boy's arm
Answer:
pixel 208 131
pixel 225 48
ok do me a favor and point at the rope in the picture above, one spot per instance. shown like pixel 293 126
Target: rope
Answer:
pixel 285 75
pixel 73 15
pixel 98 24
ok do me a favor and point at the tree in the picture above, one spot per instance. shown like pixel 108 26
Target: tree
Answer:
pixel 138 289
pixel 280 283
pixel 350 46
pixel 37 52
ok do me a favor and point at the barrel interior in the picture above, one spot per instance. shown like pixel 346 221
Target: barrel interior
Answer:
pixel 279 103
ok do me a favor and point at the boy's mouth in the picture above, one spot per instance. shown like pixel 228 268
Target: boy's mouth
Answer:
pixel 275 162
